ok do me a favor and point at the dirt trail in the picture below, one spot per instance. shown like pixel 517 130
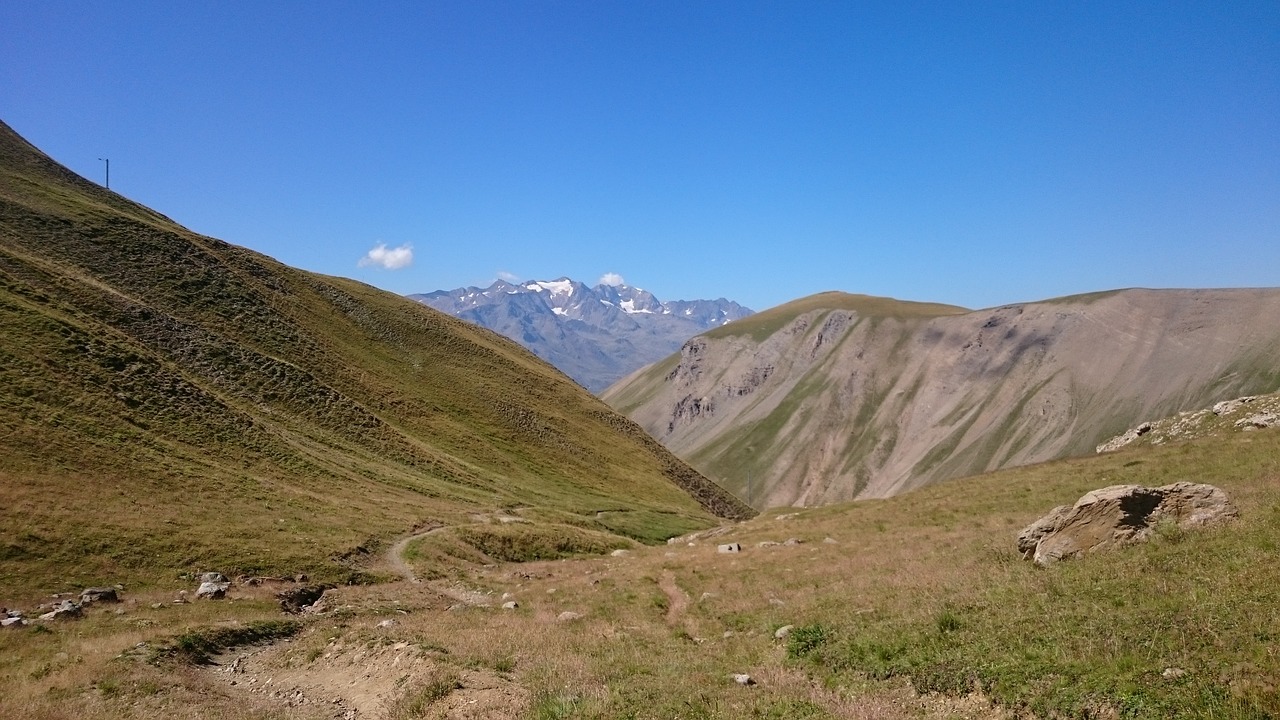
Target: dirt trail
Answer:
pixel 395 554
pixel 677 599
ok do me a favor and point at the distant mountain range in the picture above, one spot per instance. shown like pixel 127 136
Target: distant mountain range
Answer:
pixel 595 335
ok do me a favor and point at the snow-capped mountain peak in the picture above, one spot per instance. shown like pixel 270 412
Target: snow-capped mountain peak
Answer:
pixel 596 335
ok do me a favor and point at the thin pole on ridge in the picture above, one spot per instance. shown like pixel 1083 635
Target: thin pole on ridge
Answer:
pixel 108 162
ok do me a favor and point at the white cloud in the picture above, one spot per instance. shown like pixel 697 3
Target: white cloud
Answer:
pixel 388 258
pixel 611 279
pixel 508 276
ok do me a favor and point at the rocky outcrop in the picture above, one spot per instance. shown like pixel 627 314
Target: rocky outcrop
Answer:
pixel 1121 515
pixel 1251 412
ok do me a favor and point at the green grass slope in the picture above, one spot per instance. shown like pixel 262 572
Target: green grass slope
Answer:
pixel 170 402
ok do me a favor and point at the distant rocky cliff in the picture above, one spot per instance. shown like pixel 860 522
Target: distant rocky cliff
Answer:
pixel 595 335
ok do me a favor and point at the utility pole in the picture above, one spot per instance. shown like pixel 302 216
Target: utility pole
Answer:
pixel 108 162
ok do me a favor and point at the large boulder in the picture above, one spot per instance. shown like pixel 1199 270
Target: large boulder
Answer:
pixel 1120 515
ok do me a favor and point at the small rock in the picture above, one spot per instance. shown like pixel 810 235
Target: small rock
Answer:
pixel 66 610
pixel 767 543
pixel 98 594
pixel 1173 673
pixel 782 632
pixel 743 679
pixel 776 601
pixel 387 623
pixel 829 541
pixel 728 634
pixel 620 553
pixel 212 590
pixel 729 548
pixel 13 622
pixel 510 605
pixel 793 541
pixel 568 616
pixel 213 577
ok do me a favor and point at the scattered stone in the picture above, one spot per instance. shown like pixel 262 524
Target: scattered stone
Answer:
pixel 768 543
pixel 98 594
pixel 729 548
pixel 728 634
pixel 782 632
pixel 1120 441
pixel 66 610
pixel 1173 673
pixel 508 596
pixel 793 541
pixel 829 541
pixel 213 577
pixel 620 553
pixel 743 679
pixel 776 601
pixel 568 616
pixel 1226 407
pixel 300 578
pixel 510 605
pixel 706 596
pixel 1261 421
pixel 390 623
pixel 13 622
pixel 1120 515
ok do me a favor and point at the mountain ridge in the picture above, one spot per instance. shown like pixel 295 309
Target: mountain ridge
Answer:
pixel 836 396
pixel 595 335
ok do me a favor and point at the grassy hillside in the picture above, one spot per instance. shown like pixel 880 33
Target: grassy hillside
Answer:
pixel 912 607
pixel 170 403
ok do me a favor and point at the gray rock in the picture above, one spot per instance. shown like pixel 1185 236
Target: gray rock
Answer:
pixel 98 594
pixel 211 590
pixel 1120 441
pixel 620 553
pixel 729 548
pixel 782 632
pixel 743 679
pixel 510 605
pixel 213 577
pixel 1120 515
pixel 66 610
pixel 768 543
pixel 1173 673
pixel 13 622
pixel 793 541
pixel 568 616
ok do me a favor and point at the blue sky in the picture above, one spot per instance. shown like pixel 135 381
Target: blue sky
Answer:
pixel 971 153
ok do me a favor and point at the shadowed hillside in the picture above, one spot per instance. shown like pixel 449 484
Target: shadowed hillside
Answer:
pixel 838 396
pixel 170 402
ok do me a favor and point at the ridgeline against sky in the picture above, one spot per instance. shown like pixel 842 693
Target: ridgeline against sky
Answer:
pixel 764 152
